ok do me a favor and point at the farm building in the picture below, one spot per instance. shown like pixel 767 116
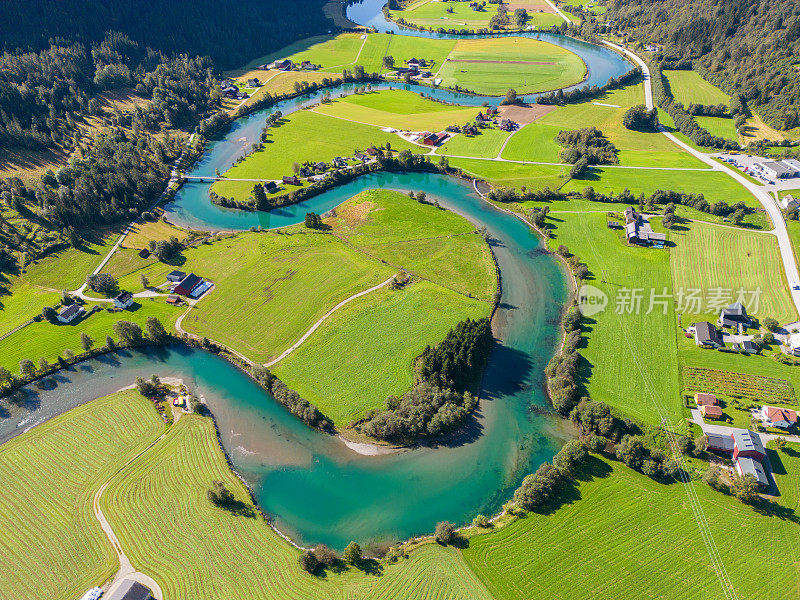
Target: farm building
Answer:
pixel 720 442
pixel 705 399
pixel 123 301
pixel 192 286
pixel 307 65
pixel 144 253
pixel 69 313
pixel 749 466
pixel 130 590
pixel 291 179
pixel 176 276
pixel 746 347
pixel 782 418
pixel 175 300
pixel 282 65
pixel 794 344
pixel 705 334
pixel 733 316
pixel 711 411
pixel 748 443
pixel 253 82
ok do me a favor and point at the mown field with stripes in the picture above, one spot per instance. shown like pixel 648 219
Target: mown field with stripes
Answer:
pixel 625 536
pixel 51 546
pixel 159 510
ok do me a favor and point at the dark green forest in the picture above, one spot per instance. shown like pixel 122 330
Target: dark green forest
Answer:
pixel 230 33
pixel 747 47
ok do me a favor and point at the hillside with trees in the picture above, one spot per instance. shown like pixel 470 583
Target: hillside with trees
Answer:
pixel 747 47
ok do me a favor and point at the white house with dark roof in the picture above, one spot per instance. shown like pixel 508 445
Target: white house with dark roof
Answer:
pixel 123 301
pixel 69 313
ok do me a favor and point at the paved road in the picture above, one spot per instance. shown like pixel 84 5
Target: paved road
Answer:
pixel 762 194
pixel 697 417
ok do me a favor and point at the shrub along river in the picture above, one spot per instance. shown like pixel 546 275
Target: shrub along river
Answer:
pixel 316 488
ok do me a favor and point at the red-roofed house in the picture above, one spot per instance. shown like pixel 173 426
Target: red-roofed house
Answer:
pixel 783 418
pixel 711 411
pixel 705 399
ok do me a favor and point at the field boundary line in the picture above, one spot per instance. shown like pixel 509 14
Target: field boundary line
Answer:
pixel 316 325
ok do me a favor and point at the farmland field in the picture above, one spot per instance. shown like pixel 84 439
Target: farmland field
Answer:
pixel 49 340
pixel 610 523
pixel 491 66
pixel 67 269
pixel 398 109
pixel 623 366
pixel 249 559
pixel 486 144
pixel 719 261
pixel 723 127
pixel 50 476
pixel 434 14
pixel 750 387
pixel 689 87
pixel 364 352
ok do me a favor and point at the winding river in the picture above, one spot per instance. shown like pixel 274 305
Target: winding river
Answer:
pixel 316 488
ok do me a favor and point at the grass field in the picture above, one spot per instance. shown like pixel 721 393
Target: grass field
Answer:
pixel 708 257
pixel 486 144
pixel 630 358
pixel 50 340
pixel 549 67
pixel 304 136
pixel 51 544
pixel 399 109
pixel 23 302
pixel 513 175
pixel 165 491
pixel 67 269
pixel 625 536
pixel 720 126
pixel 364 352
pixel 536 141
pixel 434 14
pixel 689 87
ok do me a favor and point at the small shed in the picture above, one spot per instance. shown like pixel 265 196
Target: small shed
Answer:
pixel 176 276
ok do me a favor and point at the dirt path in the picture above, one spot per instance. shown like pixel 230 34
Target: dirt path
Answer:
pixel 126 570
pixel 325 316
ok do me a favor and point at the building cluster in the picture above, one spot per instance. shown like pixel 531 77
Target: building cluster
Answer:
pixel 733 316
pixel 284 64
pixel 230 90
pixel 415 67
pixel 749 455
pixel 639 231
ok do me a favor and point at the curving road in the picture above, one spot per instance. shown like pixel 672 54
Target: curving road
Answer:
pixel 762 195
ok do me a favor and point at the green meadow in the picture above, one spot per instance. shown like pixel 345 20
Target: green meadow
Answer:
pixel 492 66
pixel 689 87
pixel 398 109
pixel 50 476
pixel 487 144
pixel 622 535
pixel 630 356
pixel 708 257
pixel 435 14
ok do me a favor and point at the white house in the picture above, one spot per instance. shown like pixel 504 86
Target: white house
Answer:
pixel 772 416
pixel 794 344
pixel 70 313
pixel 789 202
pixel 123 301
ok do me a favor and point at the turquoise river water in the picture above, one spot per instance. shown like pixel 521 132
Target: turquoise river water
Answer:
pixel 315 488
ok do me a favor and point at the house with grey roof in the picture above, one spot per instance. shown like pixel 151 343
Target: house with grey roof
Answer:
pixel 749 466
pixel 705 334
pixel 130 590
pixel 733 316
pixel 69 313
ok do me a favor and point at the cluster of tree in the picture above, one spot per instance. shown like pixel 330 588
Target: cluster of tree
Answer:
pixel 587 143
pixel 313 220
pixel 322 557
pixel 458 361
pixel 149 388
pixel 202 27
pixel 562 370
pixel 639 118
pixel 542 487
pixel 45 95
pixel 748 47
pixel 441 397
pixel 166 250
pixel 708 110
pixel 652 462
pixel 500 19
pixel 103 283
pixel 299 407
pixel 561 97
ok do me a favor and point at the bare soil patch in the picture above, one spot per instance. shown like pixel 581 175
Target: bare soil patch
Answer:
pixel 525 114
pixel 532 6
